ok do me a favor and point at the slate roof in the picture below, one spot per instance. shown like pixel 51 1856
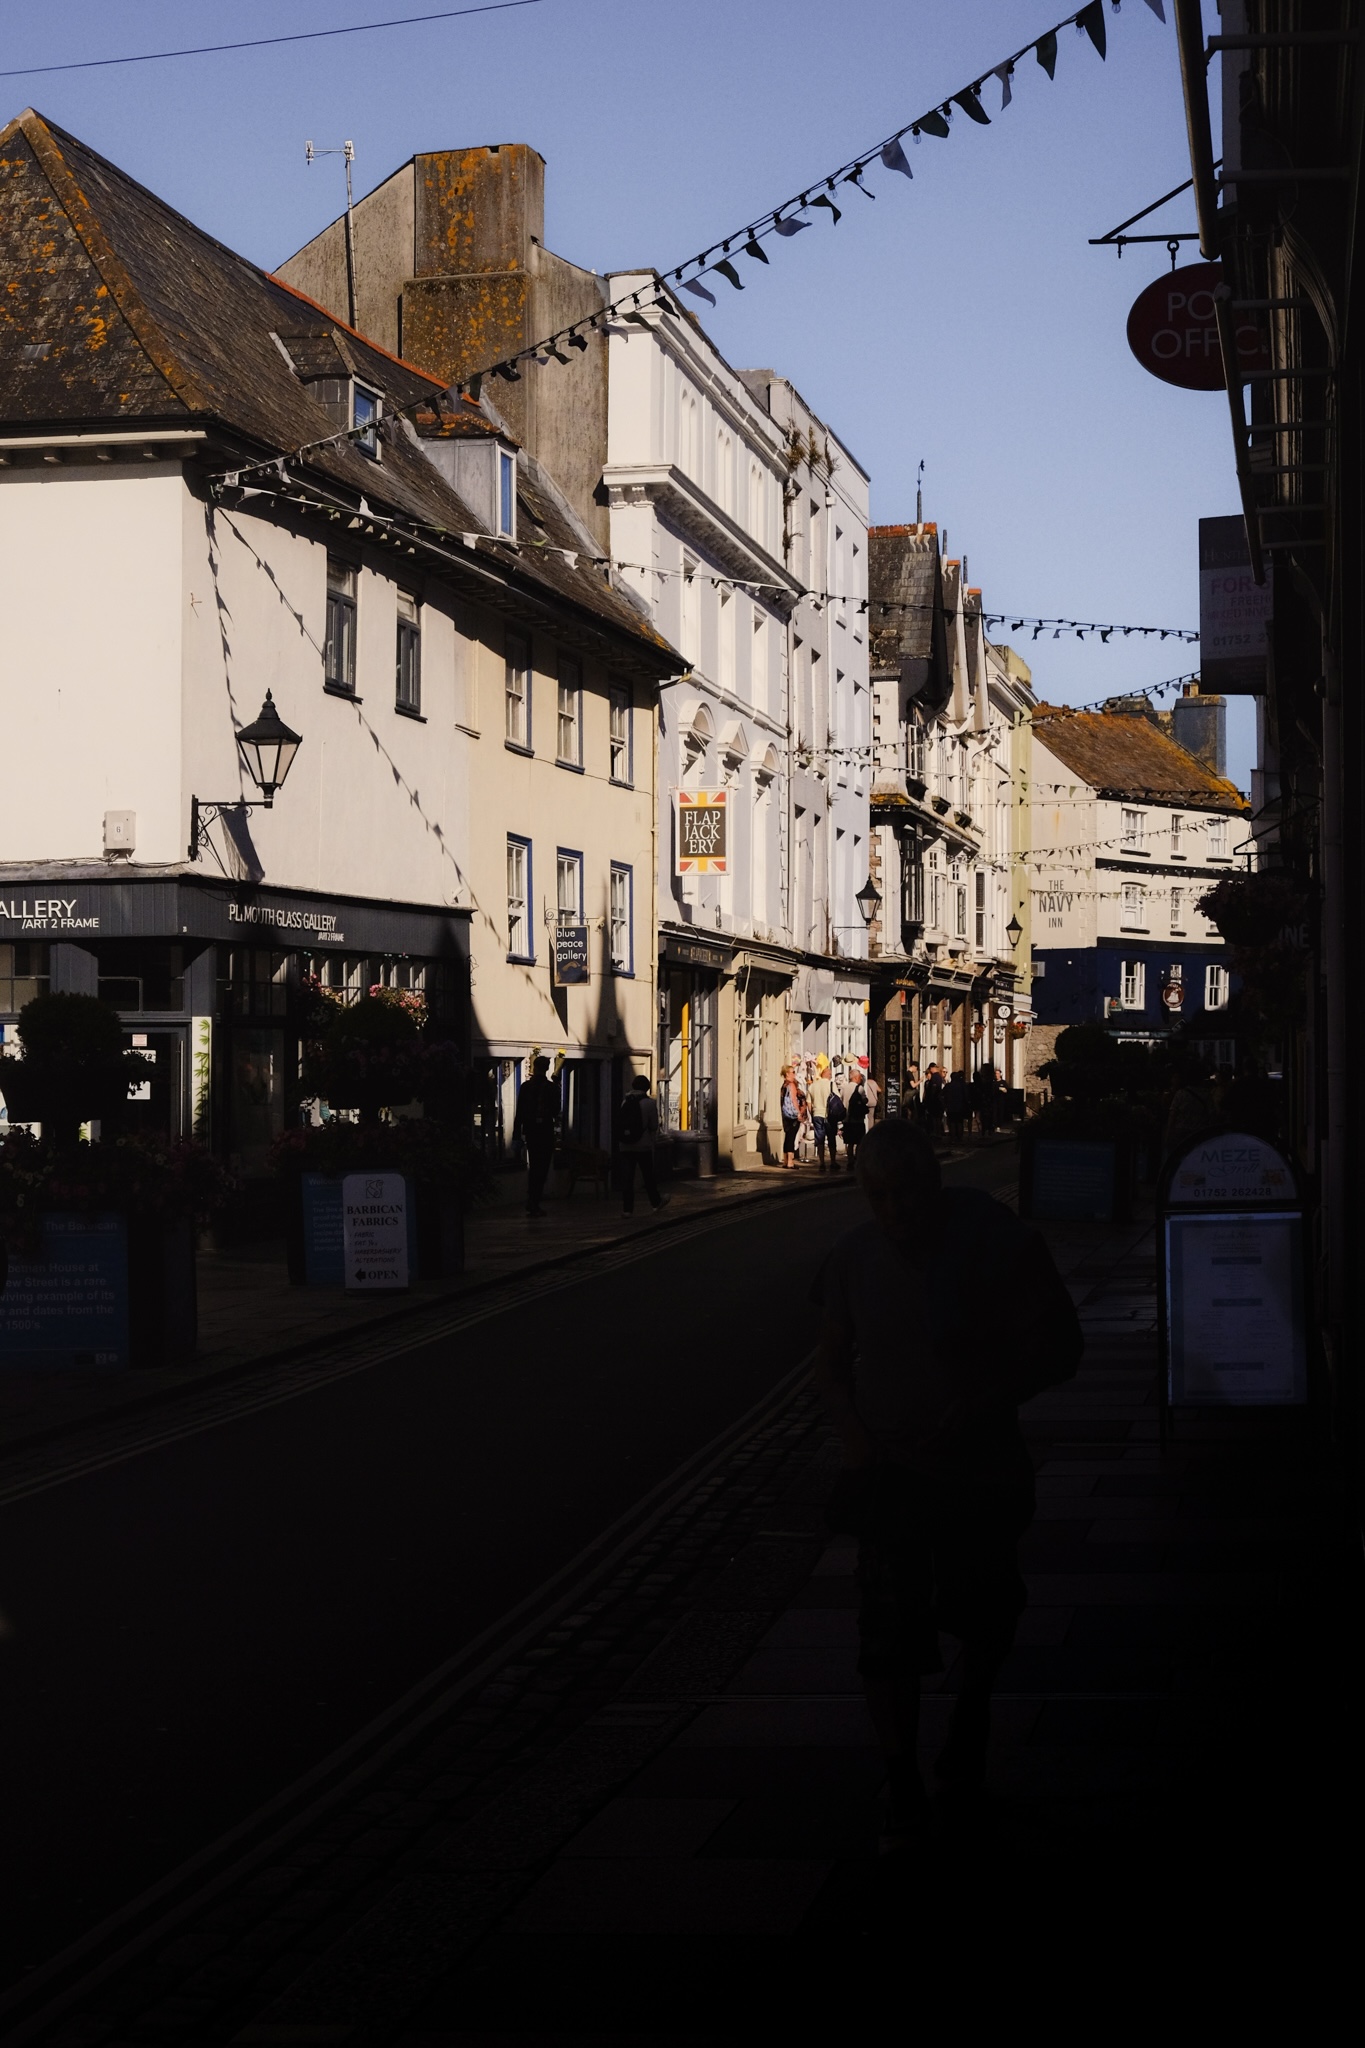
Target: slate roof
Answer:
pixel 119 311
pixel 1125 755
pixel 903 567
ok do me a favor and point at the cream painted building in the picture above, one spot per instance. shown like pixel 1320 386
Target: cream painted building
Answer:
pixel 471 810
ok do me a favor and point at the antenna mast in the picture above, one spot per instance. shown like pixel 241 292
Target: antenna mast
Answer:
pixel 347 154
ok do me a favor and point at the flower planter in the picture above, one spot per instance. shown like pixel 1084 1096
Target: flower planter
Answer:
pixel 103 1291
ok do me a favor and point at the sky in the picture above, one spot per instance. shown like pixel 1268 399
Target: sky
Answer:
pixel 960 319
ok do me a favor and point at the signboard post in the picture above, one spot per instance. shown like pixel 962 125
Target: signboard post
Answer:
pixel 701 826
pixel 374 1224
pixel 1231 1282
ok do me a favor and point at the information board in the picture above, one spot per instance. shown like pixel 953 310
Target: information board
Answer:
pixel 68 1306
pixel 324 1236
pixel 1073 1180
pixel 700 831
pixel 374 1222
pixel 1234 1310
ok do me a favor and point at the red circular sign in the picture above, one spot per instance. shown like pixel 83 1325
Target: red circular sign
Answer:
pixel 1173 330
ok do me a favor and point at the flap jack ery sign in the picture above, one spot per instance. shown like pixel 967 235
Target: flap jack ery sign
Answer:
pixel 701 831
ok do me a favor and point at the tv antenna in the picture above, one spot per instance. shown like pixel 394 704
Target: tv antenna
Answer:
pixel 346 152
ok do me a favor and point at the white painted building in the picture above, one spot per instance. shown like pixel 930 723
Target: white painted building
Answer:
pixel 477 714
pixel 743 521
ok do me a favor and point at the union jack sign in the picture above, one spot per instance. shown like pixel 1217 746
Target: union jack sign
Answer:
pixel 700 831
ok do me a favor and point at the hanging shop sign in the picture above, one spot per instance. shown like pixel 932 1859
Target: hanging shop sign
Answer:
pixel 701 831
pixel 571 955
pixel 1173 331
pixel 1234 609
pixel 1232 1294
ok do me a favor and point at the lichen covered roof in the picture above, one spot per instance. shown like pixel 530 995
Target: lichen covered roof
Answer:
pixel 1125 754
pixel 118 310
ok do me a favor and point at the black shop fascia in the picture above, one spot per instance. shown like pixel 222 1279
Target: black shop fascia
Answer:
pixel 210 980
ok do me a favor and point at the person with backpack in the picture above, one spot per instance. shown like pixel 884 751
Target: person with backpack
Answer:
pixel 637 1133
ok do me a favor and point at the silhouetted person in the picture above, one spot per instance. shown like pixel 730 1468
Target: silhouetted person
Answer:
pixel 534 1123
pixel 835 1115
pixel 933 1100
pixel 985 1098
pixel 637 1134
pixel 855 1118
pixel 939 1315
pixel 957 1105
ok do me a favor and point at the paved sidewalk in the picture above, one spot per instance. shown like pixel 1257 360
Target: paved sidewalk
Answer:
pixel 250 1315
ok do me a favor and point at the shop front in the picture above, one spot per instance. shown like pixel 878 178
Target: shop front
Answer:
pixel 211 980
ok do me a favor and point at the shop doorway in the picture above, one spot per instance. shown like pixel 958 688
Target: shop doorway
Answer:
pixel 158 1107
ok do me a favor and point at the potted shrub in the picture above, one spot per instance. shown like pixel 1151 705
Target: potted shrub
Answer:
pixel 75 1067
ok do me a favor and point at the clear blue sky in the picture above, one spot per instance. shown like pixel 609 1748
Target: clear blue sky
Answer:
pixel 961 318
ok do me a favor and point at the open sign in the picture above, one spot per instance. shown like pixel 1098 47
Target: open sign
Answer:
pixel 1173 330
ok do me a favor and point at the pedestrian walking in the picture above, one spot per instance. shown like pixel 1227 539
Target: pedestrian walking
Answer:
pixel 933 1100
pixel 873 1091
pixel 985 1098
pixel 855 1120
pixel 535 1121
pixel 910 1103
pixel 794 1114
pixel 834 1123
pixel 818 1099
pixel 637 1135
pixel 939 1315
pixel 957 1105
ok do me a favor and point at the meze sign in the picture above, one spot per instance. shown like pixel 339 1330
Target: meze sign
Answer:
pixel 1173 330
pixel 700 831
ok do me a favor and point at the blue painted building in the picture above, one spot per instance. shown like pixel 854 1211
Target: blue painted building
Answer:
pixel 1130 829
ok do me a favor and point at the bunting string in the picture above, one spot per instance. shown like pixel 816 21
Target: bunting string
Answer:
pixel 790 218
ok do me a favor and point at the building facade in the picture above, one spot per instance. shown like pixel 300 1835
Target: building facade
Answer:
pixel 1130 829
pixel 249 496
pixel 739 522
pixel 950 816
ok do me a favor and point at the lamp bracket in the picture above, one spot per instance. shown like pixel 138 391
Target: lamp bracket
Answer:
pixel 204 813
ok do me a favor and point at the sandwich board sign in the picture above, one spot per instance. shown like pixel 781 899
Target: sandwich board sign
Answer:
pixel 374 1225
pixel 1232 1298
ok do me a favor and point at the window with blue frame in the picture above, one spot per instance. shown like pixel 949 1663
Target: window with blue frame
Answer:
pixel 520 938
pixel 620 918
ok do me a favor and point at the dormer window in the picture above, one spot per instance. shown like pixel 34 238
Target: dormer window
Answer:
pixel 507 494
pixel 365 405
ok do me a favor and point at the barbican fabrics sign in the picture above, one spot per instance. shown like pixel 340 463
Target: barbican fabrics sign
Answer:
pixel 43 914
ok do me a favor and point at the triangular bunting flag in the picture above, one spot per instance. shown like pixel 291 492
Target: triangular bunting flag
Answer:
pixel 756 250
pixel 821 200
pixel 1045 49
pixel 700 290
pixel 932 124
pixel 728 270
pixel 1091 19
pixel 791 226
pixel 894 157
pixel 1005 73
pixel 1158 10
pixel 972 107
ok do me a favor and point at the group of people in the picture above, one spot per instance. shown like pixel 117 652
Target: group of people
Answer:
pixel 830 1106
pixel 951 1101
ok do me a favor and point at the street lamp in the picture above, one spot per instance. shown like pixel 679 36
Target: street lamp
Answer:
pixel 868 900
pixel 268 748
pixel 1014 931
